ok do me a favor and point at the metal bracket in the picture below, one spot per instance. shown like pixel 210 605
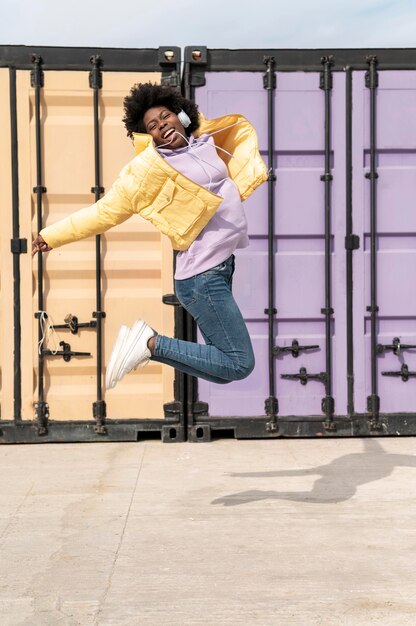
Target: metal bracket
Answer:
pixel 271 406
pixel 97 190
pixel 372 309
pixel 39 189
pixel 325 79
pixel 170 299
pixel 173 410
pixel 269 78
pixel 327 177
pixel 199 408
pixel 267 311
pixel 373 404
pixel 303 376
pixel 403 373
pixel 352 242
pixel 37 75
pixel 99 412
pixel 371 175
pixel 71 322
pixel 99 314
pixel 66 353
pixel 371 76
pixel 18 246
pixel 295 348
pixel 96 75
pixel 196 56
pixel 41 417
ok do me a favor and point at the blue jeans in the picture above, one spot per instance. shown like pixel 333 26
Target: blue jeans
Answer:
pixel 228 353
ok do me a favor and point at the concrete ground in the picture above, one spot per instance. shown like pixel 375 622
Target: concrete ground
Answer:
pixel 282 532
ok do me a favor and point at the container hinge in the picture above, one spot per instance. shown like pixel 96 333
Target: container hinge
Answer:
pixel 295 349
pixel 171 79
pixel 269 78
pixel 197 79
pixel 41 417
pixel 66 353
pixel 371 76
pixel 169 60
pixel 96 76
pixel 71 322
pixel 18 246
pixel 325 79
pixel 396 347
pixel 37 75
pixel 99 413
pixel 200 408
pixel 170 299
pixel 303 376
pixel 404 373
pixel 352 242
pixel 173 410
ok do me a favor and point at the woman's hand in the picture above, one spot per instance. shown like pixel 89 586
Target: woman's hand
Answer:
pixel 40 245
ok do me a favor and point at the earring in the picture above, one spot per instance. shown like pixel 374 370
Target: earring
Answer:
pixel 184 118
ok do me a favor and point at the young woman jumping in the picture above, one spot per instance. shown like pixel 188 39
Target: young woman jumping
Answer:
pixel 189 178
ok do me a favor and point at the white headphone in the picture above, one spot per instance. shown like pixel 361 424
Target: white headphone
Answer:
pixel 184 118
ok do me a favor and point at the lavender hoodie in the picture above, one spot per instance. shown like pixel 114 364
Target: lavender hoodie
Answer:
pixel 227 229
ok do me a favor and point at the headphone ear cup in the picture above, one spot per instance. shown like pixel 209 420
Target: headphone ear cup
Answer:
pixel 184 118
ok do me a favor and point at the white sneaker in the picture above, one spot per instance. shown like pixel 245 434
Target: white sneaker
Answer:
pixel 116 356
pixel 135 352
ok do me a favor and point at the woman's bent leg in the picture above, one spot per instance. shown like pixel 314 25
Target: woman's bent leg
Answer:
pixel 228 354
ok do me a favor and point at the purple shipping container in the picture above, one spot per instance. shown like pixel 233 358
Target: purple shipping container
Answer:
pixel 344 145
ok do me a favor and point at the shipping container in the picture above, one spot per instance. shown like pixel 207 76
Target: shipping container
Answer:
pixel 326 285
pixel 62 147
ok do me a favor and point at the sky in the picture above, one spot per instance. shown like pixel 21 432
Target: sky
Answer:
pixel 214 23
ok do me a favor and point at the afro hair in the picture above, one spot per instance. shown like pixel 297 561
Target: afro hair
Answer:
pixel 144 96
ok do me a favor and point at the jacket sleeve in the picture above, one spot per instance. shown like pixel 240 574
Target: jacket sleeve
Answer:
pixel 112 209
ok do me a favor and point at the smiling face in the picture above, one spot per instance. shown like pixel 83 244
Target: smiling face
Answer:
pixel 164 126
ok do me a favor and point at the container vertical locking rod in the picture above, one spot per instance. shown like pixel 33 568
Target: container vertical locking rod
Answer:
pixel 18 246
pixel 373 401
pixel 37 81
pixel 351 241
pixel 269 83
pixel 96 83
pixel 328 311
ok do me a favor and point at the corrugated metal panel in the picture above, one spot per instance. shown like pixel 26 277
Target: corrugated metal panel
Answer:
pixel 137 262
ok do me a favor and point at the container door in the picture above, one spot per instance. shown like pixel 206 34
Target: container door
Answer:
pixel 299 245
pixel 395 255
pixel 136 259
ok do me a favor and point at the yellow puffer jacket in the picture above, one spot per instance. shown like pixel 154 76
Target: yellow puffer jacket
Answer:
pixel 149 186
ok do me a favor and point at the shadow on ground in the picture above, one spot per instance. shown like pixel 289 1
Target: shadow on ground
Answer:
pixel 338 480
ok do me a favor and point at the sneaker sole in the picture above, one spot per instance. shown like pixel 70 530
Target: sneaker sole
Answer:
pixel 110 378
